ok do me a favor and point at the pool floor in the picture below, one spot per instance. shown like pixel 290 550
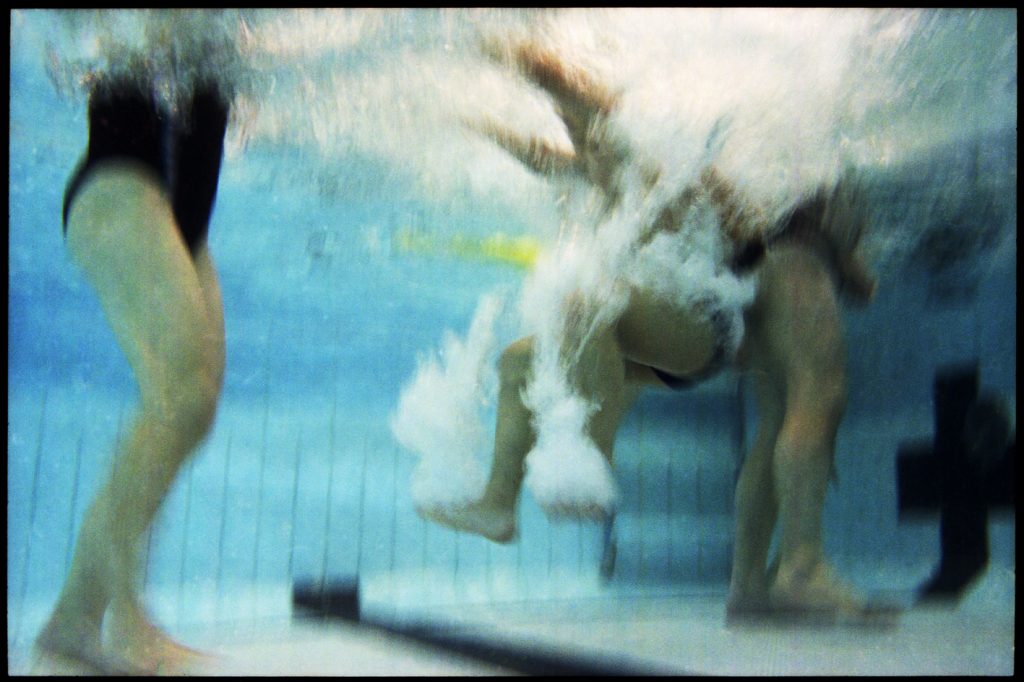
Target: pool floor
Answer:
pixel 656 635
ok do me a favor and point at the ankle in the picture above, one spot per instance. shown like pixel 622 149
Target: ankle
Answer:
pixel 70 629
pixel 496 501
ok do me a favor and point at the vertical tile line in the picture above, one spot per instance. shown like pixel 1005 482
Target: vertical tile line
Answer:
pixel 219 585
pixel 184 538
pixel 361 512
pixel 579 548
pixel 489 572
pixel 669 520
pixel 639 524
pixel 550 550
pixel 423 557
pixel 394 510
pixel 295 507
pixel 519 560
pixel 32 504
pixel 739 448
pixel 259 485
pixel 700 513
pixel 455 566
pixel 329 505
pixel 70 549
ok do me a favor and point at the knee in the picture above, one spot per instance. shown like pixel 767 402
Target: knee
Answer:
pixel 196 403
pixel 187 404
pixel 202 405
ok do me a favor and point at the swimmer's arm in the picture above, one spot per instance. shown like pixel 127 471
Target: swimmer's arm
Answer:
pixel 580 100
pixel 538 155
pixel 570 86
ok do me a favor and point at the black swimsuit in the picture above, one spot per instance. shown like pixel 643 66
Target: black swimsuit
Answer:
pixel 184 152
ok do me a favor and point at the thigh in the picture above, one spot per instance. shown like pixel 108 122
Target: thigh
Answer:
pixel 121 232
pixel 210 286
pixel 796 339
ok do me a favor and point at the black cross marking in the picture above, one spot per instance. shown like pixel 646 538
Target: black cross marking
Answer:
pixel 967 469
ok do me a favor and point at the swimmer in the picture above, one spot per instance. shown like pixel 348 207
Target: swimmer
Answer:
pixel 136 214
pixel 792 346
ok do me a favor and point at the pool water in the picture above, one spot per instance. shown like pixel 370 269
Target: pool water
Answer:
pixel 328 313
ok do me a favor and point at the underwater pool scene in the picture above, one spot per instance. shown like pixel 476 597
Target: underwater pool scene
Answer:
pixel 375 254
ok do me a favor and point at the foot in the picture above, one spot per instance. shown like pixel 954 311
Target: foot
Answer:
pixel 72 646
pixel 135 639
pixel 818 596
pixel 748 596
pixel 497 524
pixel 747 608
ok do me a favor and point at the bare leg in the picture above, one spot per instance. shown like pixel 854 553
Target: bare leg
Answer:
pixel 803 460
pixel 756 507
pixel 601 377
pixel 795 336
pixel 165 311
pixel 493 516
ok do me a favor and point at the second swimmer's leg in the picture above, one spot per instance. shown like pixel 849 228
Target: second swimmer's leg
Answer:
pixel 600 378
pixel 494 515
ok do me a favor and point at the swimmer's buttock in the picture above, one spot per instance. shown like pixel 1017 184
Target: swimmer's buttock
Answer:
pixel 802 228
pixel 184 152
pixel 718 361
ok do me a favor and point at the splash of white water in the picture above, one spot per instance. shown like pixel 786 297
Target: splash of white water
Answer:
pixel 438 416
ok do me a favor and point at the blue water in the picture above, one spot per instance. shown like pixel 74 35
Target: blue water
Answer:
pixel 326 320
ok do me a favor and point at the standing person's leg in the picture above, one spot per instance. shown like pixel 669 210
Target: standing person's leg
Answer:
pixel 164 306
pixel 493 515
pixel 198 369
pixel 124 237
pixel 800 339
